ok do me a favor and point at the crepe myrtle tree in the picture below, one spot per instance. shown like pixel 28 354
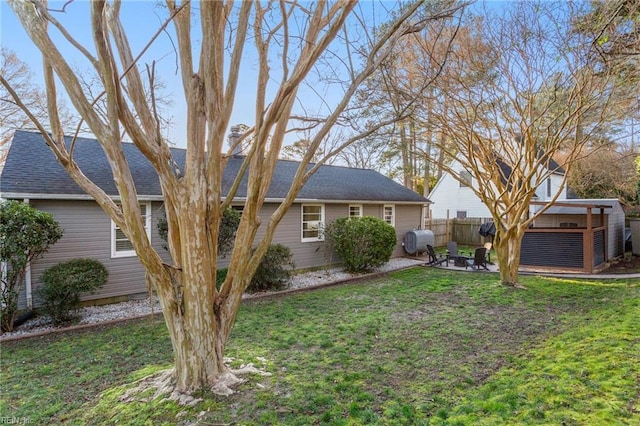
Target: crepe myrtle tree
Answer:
pixel 292 47
pixel 534 98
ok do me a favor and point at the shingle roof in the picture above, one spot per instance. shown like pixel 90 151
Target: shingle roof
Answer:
pixel 31 168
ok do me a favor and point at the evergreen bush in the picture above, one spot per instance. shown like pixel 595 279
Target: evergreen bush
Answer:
pixel 25 234
pixel 226 232
pixel 274 271
pixel 64 283
pixel 361 243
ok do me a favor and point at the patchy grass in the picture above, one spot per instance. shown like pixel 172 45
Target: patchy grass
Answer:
pixel 420 346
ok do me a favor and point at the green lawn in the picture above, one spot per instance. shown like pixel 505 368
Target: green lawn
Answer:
pixel 420 346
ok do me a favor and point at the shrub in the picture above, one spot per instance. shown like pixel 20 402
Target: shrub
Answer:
pixel 25 234
pixel 361 242
pixel 226 232
pixel 274 271
pixel 221 275
pixel 63 284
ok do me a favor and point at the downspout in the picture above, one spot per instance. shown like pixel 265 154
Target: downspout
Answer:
pixel 27 279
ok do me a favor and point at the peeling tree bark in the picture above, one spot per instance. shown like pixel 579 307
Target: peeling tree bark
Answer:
pixel 198 316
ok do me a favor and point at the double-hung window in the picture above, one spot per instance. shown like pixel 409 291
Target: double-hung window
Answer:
pixel 312 222
pixel 120 244
pixel 389 214
pixel 355 210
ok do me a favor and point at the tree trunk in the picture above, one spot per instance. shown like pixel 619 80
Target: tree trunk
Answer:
pixel 404 151
pixel 507 246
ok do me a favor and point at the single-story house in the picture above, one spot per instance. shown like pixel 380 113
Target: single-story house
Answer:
pixel 32 174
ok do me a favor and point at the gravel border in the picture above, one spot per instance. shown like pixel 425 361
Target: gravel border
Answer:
pixel 106 314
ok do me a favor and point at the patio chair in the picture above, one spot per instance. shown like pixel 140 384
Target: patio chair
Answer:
pixel 452 249
pixel 434 259
pixel 453 255
pixel 479 259
pixel 488 246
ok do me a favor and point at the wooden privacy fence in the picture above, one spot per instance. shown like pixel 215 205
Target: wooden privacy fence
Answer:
pixel 462 231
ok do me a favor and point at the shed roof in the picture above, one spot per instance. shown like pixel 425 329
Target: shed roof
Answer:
pixel 579 206
pixel 32 171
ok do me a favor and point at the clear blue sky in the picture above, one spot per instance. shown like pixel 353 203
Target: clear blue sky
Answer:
pixel 141 20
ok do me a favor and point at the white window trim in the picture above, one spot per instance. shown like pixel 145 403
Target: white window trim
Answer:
pixel 360 209
pixel 130 253
pixel 393 214
pixel 320 236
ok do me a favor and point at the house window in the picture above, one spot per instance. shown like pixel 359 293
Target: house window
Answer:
pixel 460 214
pixel 549 187
pixel 312 222
pixel 120 244
pixel 465 179
pixel 355 210
pixel 389 214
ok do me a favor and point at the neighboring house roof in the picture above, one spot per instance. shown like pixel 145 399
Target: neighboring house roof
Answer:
pixel 506 169
pixel 31 170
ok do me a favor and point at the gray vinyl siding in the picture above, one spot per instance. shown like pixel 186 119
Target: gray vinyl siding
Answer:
pixel 408 218
pixel 316 254
pixel 87 234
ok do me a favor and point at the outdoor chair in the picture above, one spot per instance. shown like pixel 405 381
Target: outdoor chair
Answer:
pixel 434 259
pixel 452 248
pixel 488 246
pixel 452 254
pixel 479 259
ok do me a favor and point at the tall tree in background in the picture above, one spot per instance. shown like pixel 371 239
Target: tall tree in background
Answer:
pixel 540 96
pixel 425 67
pixel 606 172
pixel 614 26
pixel 12 116
pixel 303 38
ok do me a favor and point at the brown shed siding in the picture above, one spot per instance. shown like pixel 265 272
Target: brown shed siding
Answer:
pixel 614 221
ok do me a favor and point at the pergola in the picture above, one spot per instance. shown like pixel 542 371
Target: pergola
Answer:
pixel 570 248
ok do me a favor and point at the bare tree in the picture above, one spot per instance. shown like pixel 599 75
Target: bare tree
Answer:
pixel 12 117
pixel 606 172
pixel 198 316
pixel 420 68
pixel 298 149
pixel 615 27
pixel 532 103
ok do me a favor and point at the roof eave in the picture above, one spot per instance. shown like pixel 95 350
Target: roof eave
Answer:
pixel 85 197
pixel 70 197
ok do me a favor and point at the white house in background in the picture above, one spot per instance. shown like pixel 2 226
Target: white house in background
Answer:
pixel 451 198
